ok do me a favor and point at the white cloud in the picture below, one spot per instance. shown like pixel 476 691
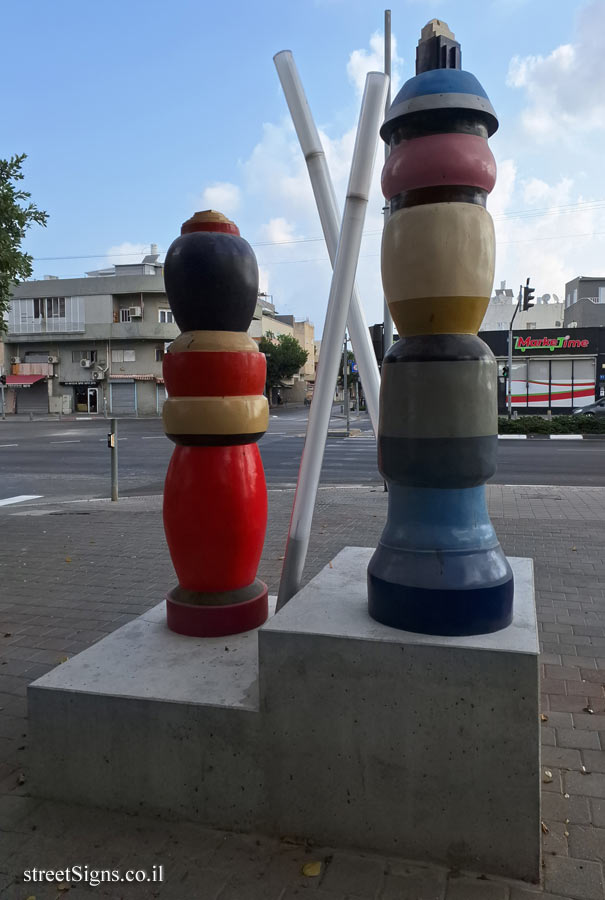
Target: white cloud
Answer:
pixel 127 252
pixel 565 90
pixel 549 232
pixel 278 231
pixel 372 60
pixel 223 197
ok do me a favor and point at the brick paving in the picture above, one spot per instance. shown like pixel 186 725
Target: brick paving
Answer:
pixel 72 573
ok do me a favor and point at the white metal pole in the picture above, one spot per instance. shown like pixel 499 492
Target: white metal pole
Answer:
pixel 387 331
pixel 329 215
pixel 343 279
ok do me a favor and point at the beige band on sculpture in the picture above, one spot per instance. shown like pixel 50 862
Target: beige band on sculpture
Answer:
pixel 438 250
pixel 215 415
pixel 212 340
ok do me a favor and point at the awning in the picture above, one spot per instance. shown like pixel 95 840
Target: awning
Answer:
pixel 113 377
pixel 23 380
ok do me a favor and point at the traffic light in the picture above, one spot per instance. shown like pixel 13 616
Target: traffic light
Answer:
pixel 527 296
pixel 505 371
pixel 2 379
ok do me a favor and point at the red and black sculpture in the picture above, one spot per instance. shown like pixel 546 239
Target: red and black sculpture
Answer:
pixel 215 497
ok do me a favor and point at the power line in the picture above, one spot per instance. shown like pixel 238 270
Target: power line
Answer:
pixel 539 212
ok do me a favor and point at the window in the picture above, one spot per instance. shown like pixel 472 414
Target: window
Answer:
pixel 531 325
pixel 49 308
pixel 124 314
pixel 119 356
pixel 166 317
pixel 602 295
pixel 575 295
pixel 159 354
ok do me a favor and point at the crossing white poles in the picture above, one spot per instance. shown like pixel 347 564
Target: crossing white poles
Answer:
pixel 343 280
pixel 329 215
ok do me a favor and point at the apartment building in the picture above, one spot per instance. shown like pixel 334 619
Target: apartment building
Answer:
pixel 267 321
pixel 89 345
pixel 547 311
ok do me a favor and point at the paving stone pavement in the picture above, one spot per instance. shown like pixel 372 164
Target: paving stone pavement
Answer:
pixel 71 573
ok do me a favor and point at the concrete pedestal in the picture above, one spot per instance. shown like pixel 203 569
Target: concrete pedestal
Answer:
pixel 323 724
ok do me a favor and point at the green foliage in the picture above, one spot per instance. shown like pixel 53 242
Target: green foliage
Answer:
pixel 556 425
pixel 284 355
pixel 16 216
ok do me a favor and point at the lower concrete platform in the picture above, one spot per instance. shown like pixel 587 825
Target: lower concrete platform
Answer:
pixel 323 724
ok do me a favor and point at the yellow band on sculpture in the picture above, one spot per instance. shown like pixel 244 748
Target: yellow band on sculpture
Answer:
pixel 439 315
pixel 215 415
pixel 212 340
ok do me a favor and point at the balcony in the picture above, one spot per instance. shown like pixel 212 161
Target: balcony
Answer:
pixel 48 315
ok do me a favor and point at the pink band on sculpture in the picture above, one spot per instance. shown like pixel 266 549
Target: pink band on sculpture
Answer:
pixel 437 160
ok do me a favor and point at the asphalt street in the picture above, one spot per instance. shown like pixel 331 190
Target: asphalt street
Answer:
pixel 70 459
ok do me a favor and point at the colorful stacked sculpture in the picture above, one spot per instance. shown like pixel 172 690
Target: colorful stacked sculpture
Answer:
pixel 215 497
pixel 439 568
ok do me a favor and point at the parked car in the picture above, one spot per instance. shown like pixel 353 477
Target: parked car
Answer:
pixel 593 409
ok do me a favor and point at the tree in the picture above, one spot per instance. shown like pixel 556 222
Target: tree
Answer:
pixel 284 355
pixel 16 217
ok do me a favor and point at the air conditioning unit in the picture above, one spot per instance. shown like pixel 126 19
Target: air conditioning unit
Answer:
pixel 98 376
pixel 15 360
pixel 53 359
pixel 135 312
pixel 85 363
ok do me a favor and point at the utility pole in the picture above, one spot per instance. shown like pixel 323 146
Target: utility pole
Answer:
pixel 112 443
pixel 509 373
pixel 524 301
pixel 345 383
pixel 2 383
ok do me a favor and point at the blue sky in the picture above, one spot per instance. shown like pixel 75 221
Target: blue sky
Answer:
pixel 134 114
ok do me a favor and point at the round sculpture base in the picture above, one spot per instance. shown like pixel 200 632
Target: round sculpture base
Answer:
pixel 219 619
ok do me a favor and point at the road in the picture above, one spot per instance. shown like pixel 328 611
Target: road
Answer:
pixel 70 459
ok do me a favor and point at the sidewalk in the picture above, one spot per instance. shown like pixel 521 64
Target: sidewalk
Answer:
pixel 71 573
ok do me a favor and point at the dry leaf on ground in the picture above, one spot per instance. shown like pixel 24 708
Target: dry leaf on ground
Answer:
pixel 311 869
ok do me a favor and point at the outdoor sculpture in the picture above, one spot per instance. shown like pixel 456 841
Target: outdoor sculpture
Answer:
pixel 439 568
pixel 215 497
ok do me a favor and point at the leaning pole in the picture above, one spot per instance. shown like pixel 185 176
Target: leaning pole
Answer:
pixel 439 568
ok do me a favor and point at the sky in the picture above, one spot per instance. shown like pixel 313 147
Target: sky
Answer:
pixel 135 114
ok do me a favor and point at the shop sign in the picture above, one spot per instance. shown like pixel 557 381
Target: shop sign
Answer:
pixel 545 343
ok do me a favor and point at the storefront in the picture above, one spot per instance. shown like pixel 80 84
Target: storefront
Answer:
pixel 87 397
pixel 553 369
pixel 30 394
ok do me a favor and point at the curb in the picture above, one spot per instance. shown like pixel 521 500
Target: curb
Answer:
pixel 552 437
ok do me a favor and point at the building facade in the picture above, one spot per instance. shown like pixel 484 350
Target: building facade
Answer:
pixel 89 345
pixel 267 321
pixel 553 369
pixel 584 288
pixel 547 312
pixel 94 345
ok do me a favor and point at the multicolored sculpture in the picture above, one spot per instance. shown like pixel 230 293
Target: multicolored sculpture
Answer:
pixel 439 568
pixel 215 497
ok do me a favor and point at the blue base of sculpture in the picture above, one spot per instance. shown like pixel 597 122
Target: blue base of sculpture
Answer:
pixel 438 568
pixel 445 612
